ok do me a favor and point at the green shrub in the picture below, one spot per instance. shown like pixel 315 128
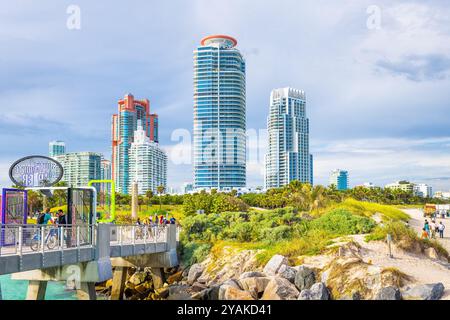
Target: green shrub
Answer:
pixel 194 252
pixel 342 222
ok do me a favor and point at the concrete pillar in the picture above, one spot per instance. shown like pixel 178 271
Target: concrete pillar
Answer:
pixel 171 237
pixel 158 277
pixel 134 200
pixel 87 291
pixel 118 283
pixel 36 290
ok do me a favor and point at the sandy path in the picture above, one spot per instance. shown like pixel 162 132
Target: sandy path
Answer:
pixel 417 221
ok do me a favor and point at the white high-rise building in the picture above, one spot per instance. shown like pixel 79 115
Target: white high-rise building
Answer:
pixel 80 167
pixel 288 156
pixel 423 190
pixel 148 163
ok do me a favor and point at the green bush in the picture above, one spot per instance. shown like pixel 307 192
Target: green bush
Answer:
pixel 193 252
pixel 342 222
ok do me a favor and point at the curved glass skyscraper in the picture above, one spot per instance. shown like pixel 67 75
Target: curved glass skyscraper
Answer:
pixel 219 114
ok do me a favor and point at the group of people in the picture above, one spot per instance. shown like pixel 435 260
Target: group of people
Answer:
pixel 155 221
pixel 430 230
pixel 46 217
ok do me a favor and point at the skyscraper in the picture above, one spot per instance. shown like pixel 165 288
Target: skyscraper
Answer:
pixel 105 174
pixel 219 114
pixel 124 124
pixel 339 178
pixel 148 163
pixel 288 156
pixel 56 148
pixel 80 167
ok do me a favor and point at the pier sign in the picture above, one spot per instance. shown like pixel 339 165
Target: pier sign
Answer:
pixel 36 171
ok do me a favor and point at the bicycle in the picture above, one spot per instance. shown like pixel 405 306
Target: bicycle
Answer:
pixel 51 239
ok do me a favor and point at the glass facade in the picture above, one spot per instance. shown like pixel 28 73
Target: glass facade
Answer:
pixel 288 156
pixel 339 178
pixel 219 115
pixel 124 124
pixel 56 148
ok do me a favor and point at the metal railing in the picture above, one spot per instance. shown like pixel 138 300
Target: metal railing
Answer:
pixel 23 239
pixel 138 234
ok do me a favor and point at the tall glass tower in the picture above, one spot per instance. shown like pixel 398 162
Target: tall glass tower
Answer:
pixel 56 148
pixel 219 115
pixel 288 156
pixel 124 124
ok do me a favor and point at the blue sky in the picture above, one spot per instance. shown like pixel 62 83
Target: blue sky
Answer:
pixel 377 99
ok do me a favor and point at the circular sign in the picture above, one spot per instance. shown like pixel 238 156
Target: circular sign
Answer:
pixel 36 171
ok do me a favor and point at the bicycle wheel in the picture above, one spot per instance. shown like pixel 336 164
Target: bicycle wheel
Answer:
pixel 34 245
pixel 52 242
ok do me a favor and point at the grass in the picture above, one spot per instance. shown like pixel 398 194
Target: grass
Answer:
pixel 367 209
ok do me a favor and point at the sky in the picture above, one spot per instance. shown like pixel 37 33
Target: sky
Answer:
pixel 376 75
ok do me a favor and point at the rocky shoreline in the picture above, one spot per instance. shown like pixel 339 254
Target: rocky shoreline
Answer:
pixel 340 275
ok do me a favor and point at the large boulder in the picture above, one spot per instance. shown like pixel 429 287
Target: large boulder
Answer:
pixel 317 292
pixel 273 266
pixel 223 288
pixel 195 271
pixel 232 293
pixel 432 291
pixel 137 278
pixel 389 293
pixel 255 286
pixel 287 272
pixel 304 278
pixel 280 289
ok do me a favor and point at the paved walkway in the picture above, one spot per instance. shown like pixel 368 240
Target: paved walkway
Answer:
pixel 417 221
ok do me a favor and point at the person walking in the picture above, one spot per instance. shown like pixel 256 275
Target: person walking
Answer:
pixel 441 230
pixel 427 228
pixel 424 234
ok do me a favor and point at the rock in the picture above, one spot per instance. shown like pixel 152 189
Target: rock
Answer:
pixel 143 287
pixel 280 289
pixel 109 283
pixel 195 271
pixel 212 293
pixel 305 295
pixel 178 276
pixel 304 278
pixel 179 292
pixel 137 278
pixel 389 293
pixel 162 292
pixel 255 286
pixel 197 287
pixel 234 283
pixel 231 293
pixel 252 274
pixel 318 291
pixel 273 266
pixel 287 272
pixel 431 253
pixel 432 291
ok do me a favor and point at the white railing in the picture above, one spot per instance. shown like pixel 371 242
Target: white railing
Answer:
pixel 23 239
pixel 138 234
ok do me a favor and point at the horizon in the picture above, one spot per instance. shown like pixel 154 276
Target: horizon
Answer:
pixel 376 98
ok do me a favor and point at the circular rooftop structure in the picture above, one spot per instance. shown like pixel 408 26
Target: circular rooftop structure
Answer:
pixel 219 40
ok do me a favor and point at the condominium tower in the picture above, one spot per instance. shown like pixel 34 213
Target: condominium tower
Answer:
pixel 80 167
pixel 219 114
pixel 124 124
pixel 148 163
pixel 56 148
pixel 288 156
pixel 339 179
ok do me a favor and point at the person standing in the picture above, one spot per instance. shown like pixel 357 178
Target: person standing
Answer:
pixel 434 228
pixel 426 227
pixel 441 230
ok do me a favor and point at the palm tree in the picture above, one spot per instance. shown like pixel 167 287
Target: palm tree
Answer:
pixel 160 189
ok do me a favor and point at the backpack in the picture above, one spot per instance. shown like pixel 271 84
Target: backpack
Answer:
pixel 41 218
